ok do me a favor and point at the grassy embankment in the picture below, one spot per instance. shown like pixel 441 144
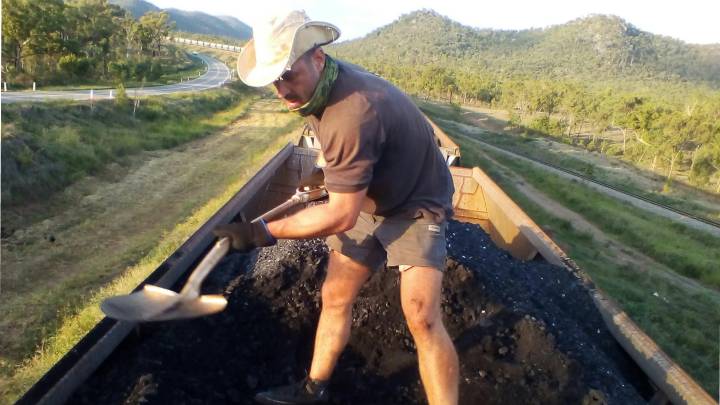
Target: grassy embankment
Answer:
pixel 111 229
pixel 681 315
pixel 48 146
pixel 619 173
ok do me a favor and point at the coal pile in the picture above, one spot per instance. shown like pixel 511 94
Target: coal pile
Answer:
pixel 525 333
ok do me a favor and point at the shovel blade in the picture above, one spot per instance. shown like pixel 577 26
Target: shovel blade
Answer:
pixel 201 306
pixel 143 305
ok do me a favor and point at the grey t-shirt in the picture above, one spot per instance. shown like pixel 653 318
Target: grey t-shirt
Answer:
pixel 372 135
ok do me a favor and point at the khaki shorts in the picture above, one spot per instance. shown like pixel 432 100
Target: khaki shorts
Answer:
pixel 400 241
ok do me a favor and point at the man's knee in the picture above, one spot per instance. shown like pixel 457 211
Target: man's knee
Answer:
pixel 420 298
pixel 336 298
pixel 423 318
pixel 344 279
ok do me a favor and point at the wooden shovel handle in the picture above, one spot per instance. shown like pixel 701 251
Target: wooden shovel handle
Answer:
pixel 222 246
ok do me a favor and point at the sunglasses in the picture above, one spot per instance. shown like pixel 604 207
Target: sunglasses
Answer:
pixel 288 76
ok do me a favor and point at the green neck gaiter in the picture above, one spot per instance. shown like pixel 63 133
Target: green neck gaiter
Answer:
pixel 322 91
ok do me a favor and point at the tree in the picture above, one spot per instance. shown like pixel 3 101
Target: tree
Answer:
pixel 95 27
pixel 647 132
pixel 86 40
pixel 15 30
pixel 154 28
pixel 676 135
pixel 31 29
pixel 623 113
pixel 74 66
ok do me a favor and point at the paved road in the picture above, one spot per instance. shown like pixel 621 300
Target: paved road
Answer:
pixel 217 74
pixel 640 203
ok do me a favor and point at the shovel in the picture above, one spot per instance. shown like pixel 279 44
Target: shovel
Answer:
pixel 154 303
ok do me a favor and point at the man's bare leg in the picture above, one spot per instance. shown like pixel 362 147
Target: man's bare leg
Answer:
pixel 421 295
pixel 344 279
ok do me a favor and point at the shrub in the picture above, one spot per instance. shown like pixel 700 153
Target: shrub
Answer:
pixel 514 121
pixel 64 144
pixel 121 98
pixel 141 70
pixel 120 70
pixel 702 170
pixel 74 66
pixel 156 70
pixel 541 124
pixel 22 80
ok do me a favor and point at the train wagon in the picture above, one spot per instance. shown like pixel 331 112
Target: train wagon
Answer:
pixel 93 371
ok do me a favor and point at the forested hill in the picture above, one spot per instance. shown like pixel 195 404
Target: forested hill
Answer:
pixel 192 21
pixel 597 47
pixel 583 82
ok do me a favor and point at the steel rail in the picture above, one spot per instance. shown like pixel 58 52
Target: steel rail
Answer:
pixel 629 193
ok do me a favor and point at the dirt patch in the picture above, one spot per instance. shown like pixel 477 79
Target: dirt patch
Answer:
pixel 489 120
pixel 525 332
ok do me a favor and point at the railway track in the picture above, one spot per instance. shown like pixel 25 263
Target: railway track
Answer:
pixel 693 220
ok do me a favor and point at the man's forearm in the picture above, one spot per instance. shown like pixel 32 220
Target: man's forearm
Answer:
pixel 312 222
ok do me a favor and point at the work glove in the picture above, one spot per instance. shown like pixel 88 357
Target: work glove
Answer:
pixel 314 179
pixel 245 236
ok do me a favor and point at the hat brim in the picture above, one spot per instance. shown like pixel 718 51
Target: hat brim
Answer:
pixel 255 75
pixel 258 76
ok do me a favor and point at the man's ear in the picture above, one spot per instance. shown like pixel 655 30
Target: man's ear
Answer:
pixel 318 59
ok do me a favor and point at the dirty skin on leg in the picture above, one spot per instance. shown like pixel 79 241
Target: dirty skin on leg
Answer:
pixel 420 295
pixel 345 277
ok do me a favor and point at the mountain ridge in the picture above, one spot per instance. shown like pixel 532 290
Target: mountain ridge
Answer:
pixel 595 46
pixel 192 21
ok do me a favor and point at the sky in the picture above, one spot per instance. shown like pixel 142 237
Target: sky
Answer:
pixel 693 21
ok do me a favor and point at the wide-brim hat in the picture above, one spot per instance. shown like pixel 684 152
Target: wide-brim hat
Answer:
pixel 278 43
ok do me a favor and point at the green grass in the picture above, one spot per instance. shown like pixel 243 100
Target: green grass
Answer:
pixel 533 146
pixel 76 297
pixel 689 252
pixel 683 319
pixel 47 146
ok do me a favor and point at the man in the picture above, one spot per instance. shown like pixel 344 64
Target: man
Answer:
pixel 389 191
